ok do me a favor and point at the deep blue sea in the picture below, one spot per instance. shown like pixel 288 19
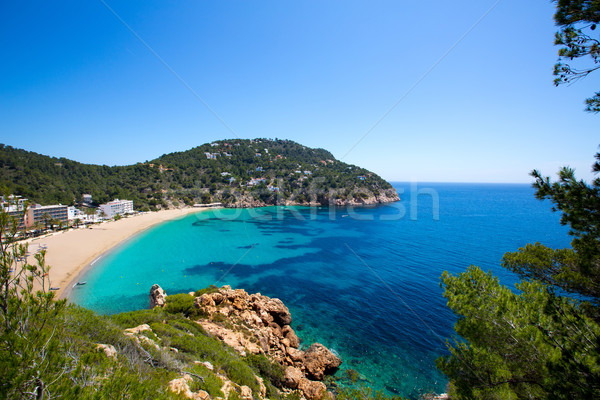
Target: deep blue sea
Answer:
pixel 362 281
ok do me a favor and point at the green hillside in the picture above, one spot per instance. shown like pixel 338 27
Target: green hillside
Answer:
pixel 238 173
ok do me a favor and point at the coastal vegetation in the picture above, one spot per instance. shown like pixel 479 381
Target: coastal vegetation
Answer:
pixel 540 340
pixel 234 172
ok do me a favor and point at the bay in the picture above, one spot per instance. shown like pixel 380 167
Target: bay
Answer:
pixel 363 281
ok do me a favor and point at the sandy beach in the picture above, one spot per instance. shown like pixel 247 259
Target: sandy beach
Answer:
pixel 69 252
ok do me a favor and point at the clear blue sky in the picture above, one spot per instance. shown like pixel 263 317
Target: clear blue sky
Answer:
pixel 75 82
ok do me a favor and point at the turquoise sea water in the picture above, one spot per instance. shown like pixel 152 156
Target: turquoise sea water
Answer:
pixel 362 281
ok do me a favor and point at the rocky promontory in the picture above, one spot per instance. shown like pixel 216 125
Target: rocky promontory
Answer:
pixel 329 198
pixel 257 324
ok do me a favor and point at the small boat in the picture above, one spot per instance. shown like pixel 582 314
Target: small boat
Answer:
pixel 80 284
pixel 54 288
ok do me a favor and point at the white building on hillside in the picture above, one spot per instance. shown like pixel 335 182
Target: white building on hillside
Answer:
pixel 120 207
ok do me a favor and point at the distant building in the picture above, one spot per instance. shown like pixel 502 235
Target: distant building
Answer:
pixel 74 213
pixel 39 214
pixel 15 208
pixel 87 198
pixel 256 181
pixel 120 207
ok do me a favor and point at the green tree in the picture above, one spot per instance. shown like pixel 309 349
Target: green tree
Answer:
pixel 541 341
pixel 47 220
pixel 578 21
pixel 575 270
pixel 27 310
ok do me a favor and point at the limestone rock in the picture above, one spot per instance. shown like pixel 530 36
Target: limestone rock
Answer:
pixel 261 387
pixel 295 354
pixel 108 349
pixel 290 335
pixel 157 296
pixel 245 393
pixel 319 361
pixel 218 298
pixel 137 329
pixel 292 377
pixel 258 324
pixel 281 314
pixel 312 390
pixel 234 339
pixel 227 388
pixel 206 300
pixel 181 386
pixel 135 334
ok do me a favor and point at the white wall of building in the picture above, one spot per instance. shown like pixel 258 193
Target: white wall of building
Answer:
pixel 120 207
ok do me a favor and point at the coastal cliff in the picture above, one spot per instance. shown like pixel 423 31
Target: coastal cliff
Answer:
pixel 252 325
pixel 333 197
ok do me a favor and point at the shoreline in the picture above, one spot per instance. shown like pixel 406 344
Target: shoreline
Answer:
pixel 72 253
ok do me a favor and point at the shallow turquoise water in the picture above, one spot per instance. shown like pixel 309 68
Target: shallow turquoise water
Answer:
pixel 363 281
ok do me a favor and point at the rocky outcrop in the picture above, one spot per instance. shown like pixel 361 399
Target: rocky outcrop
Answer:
pixel 312 390
pixel 253 324
pixel 157 296
pixel 135 333
pixel 181 386
pixel 108 349
pixel 363 197
pixel 137 329
pixel 257 324
pixel 319 361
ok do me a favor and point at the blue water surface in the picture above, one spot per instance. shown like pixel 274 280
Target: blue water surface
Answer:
pixel 362 281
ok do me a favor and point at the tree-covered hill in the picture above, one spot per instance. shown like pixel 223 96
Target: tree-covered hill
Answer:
pixel 235 172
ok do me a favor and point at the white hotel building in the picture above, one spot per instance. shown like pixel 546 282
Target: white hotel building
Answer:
pixel 117 206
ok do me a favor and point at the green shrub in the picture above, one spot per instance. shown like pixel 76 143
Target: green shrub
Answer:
pixel 233 395
pixel 239 372
pixel 269 370
pixel 211 383
pixel 135 318
pixel 181 303
pixel 210 289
